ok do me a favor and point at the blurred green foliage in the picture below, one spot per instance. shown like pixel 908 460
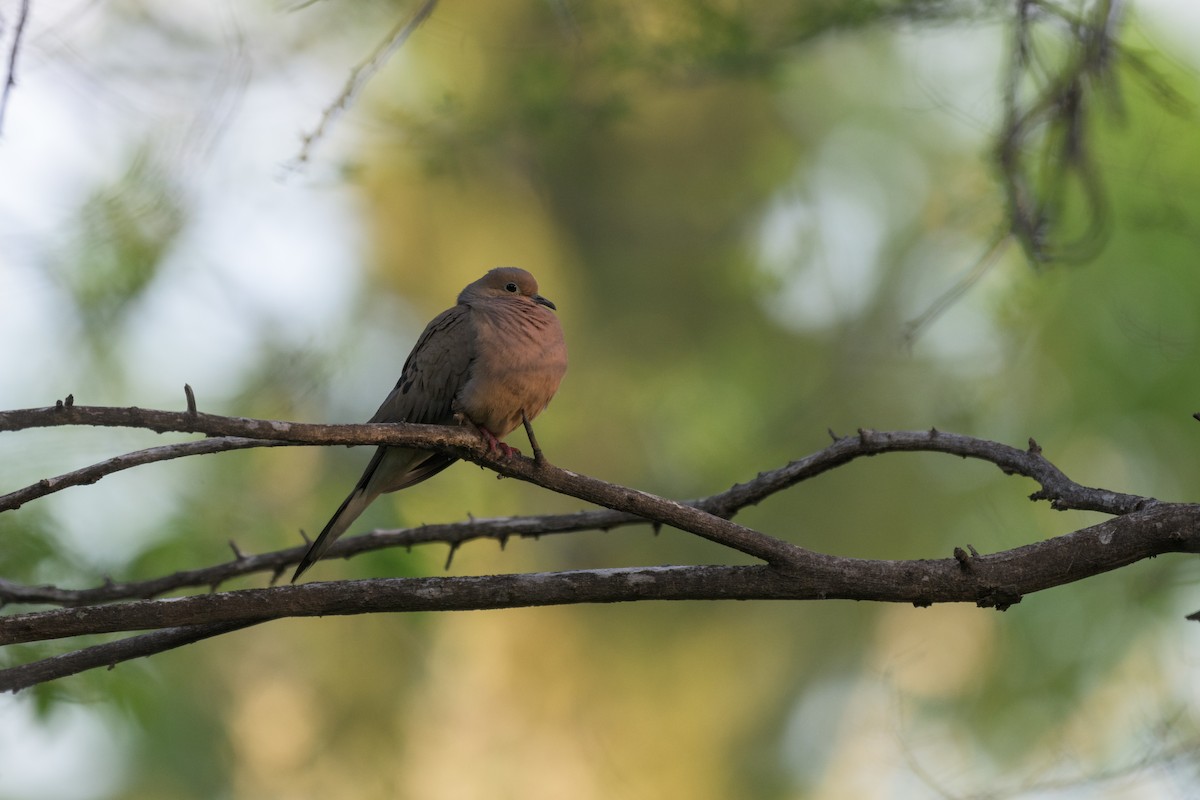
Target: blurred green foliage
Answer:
pixel 124 233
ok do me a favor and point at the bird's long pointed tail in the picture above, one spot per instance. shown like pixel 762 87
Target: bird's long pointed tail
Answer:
pixel 347 512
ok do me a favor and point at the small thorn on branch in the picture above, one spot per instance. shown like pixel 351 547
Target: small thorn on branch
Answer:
pixel 832 435
pixel 304 536
pixel 70 400
pixel 1034 447
pixel 1000 598
pixel 191 399
pixel 450 555
pixel 237 551
pixel 963 559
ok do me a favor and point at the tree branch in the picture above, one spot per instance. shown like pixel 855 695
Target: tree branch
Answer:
pixel 93 473
pixel 278 562
pixel 1142 527
pixel 1062 492
pixel 361 75
pixel 459 441
pixel 998 581
pixel 109 654
pixel 10 78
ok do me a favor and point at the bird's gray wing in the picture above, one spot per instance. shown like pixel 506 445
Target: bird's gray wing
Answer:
pixel 434 373
pixel 437 367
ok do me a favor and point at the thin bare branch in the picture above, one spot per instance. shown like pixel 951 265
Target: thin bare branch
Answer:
pixel 10 79
pixel 1048 172
pixel 109 654
pixel 1062 492
pixel 277 562
pixel 1043 145
pixel 91 474
pixel 360 76
pixel 917 326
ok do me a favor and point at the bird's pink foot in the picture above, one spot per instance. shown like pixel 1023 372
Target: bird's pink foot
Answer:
pixel 495 444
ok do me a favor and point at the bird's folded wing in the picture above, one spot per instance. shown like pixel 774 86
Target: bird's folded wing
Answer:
pixel 436 370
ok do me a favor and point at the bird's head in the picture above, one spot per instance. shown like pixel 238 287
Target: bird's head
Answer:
pixel 504 282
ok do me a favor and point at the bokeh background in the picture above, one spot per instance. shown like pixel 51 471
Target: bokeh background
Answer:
pixel 739 209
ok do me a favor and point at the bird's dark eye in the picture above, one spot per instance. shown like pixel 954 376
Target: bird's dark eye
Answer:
pixel 510 287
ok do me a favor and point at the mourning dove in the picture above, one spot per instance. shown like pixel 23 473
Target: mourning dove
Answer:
pixel 495 357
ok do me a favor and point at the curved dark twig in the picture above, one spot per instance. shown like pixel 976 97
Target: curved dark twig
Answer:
pixel 94 472
pixel 110 654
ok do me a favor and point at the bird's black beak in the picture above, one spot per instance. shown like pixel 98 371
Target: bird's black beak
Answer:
pixel 537 298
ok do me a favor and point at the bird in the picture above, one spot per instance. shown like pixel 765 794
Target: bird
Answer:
pixel 492 362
